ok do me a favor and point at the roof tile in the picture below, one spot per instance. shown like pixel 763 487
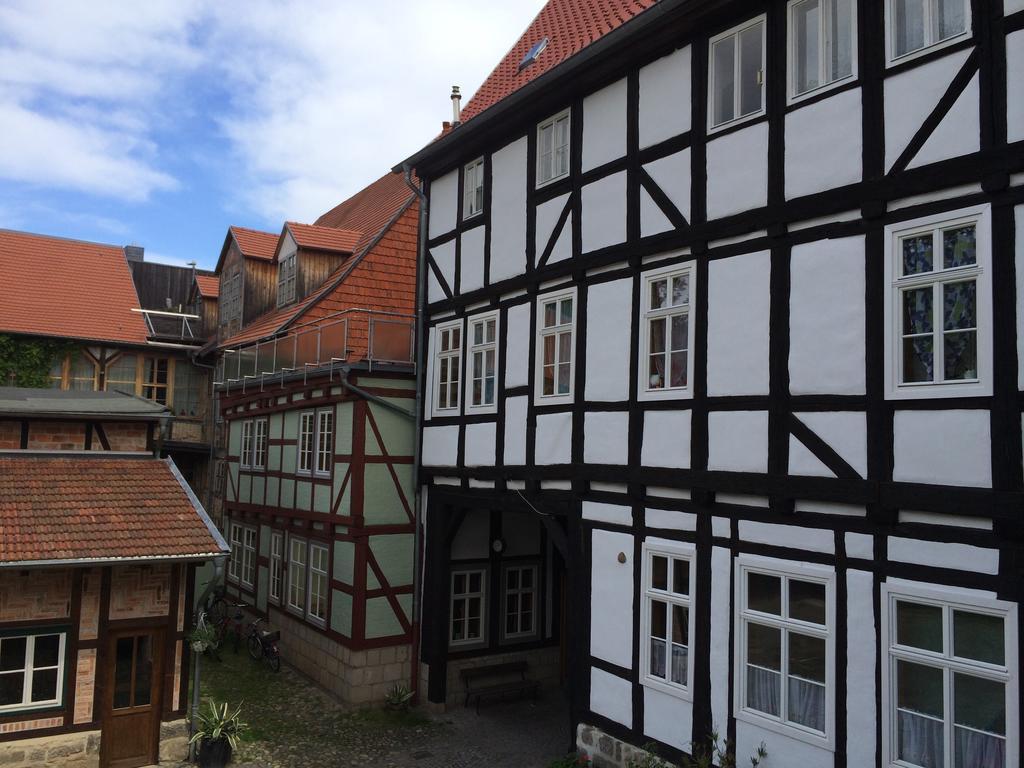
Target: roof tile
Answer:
pixel 255 244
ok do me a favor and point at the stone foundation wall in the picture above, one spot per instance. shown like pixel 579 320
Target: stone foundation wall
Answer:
pixel 607 751
pixel 66 750
pixel 174 741
pixel 544 667
pixel 355 677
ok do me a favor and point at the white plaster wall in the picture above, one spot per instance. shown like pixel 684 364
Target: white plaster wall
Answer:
pixel 669 719
pixel 471 260
pixel 611 598
pixel 515 430
pixel 611 697
pixel 943 447
pixel 670 519
pixel 738 171
pixel 861 717
pixel 508 211
pixel 444 258
pixel 959 133
pixel 517 348
pixel 738 441
pixel 554 438
pixel 609 329
pixel 665 98
pixel 862 546
pixel 606 438
pixel 962 557
pixel 826 317
pixel 1014 86
pixel 547 218
pixel 604 125
pixel 803 462
pixel 604 212
pixel 666 439
pixel 672 174
pixel 616 514
pixel 793 752
pixel 796 536
pixel 1012 6
pixel 653 221
pixel 824 144
pixel 911 96
pixel 472 541
pixel 440 446
pixel 480 444
pixel 738 309
pixel 844 431
pixel 721 613
pixel 444 201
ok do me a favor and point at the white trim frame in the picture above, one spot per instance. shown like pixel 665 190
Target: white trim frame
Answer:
pixel 679 551
pixel 735 32
pixel 301 451
pixel 891 59
pixel 326 573
pixel 29 669
pixel 245 453
pixel 980 216
pixel 451 355
pixel 324 452
pixel 644 392
pixel 276 562
pixel 825 44
pixel 784 570
pixel 552 121
pixel 303 547
pixel 538 362
pixel 948 598
pixel 468 571
pixel 261 431
pixel 471 350
pixel 472 171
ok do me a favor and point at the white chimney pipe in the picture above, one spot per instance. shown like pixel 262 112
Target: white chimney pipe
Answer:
pixel 456 105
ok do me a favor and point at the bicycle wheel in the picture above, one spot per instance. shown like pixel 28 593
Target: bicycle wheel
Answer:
pixel 274 660
pixel 255 649
pixel 218 610
pixel 236 640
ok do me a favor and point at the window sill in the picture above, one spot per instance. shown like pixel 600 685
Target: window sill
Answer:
pixel 542 400
pixel 482 410
pixel 735 122
pixel 895 61
pixel 981 388
pixel 474 215
pixel 654 395
pixel 657 684
pixel 795 100
pixel 758 721
pixel 552 180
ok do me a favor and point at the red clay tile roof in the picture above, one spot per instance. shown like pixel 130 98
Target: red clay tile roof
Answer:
pixel 255 244
pixel 67 289
pixel 570 26
pixel 88 508
pixel 274 321
pixel 208 285
pixel 323 238
pixel 369 210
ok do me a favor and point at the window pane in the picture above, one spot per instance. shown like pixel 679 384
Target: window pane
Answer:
pixel 566 311
pixel 657 665
pixel 750 69
pixel 512 578
pixel 959 247
pixel 949 19
pixel 659 619
pixel 979 703
pixel 478 333
pixel 564 347
pixel 919 626
pixel 841 34
pixel 143 670
pixel 723 63
pixel 917 254
pixel 764 646
pixel 680 625
pixel 680 290
pixel 908 25
pixel 47 651
pixel 974 749
pixel 474 581
pixel 526 578
pixel 959 306
pixel 917 311
pixel 978 636
pixel 807 601
pixel 680 655
pixel 656 371
pixel 659 294
pixel 919 688
pixel 12 688
pixel 920 740
pixel 678 372
pixel 961 355
pixel 807 657
pixel 549 350
pixel 550 314
pixel 680 331
pixel 563 379
pixel 918 363
pixel 657 343
pixel 12 653
pixel 806 30
pixel 806 704
pixel 123 672
pixel 681 577
pixel 659 572
pixel 764 593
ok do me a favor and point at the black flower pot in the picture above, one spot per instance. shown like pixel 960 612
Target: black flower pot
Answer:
pixel 214 753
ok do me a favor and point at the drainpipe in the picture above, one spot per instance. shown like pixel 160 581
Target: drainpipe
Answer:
pixel 421 293
pixel 374 398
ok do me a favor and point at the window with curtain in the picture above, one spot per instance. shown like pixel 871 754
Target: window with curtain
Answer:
pixel 822 43
pixel 307 429
pixel 915 25
pixel 483 361
pixel 473 188
pixel 316 609
pixel 259 451
pixel 520 601
pixel 242 563
pixel 297 574
pixel 245 460
pixel 57 373
pixel 556 330
pixel 467 607
pixel 949 684
pixel 155 375
pixel 667 619
pixel 449 364
pixel 786 649
pixel 666 342
pixel 324 441
pixel 553 148
pixel 737 73
pixel 83 372
pixel 276 565
pixel 123 374
pixel 187 386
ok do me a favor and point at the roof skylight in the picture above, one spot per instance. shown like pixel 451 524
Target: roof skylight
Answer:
pixel 533 53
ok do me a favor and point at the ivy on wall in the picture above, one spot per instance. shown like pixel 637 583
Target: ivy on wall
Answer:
pixel 27 362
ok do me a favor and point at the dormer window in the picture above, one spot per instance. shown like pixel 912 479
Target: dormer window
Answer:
pixel 473 186
pixel 553 148
pixel 286 280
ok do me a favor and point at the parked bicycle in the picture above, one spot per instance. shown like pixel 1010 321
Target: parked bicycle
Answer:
pixel 231 625
pixel 216 604
pixel 263 645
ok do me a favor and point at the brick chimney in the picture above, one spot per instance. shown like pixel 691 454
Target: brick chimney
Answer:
pixel 134 253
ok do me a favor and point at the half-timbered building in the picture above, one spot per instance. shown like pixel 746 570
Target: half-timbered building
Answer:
pixel 318 401
pixel 725 342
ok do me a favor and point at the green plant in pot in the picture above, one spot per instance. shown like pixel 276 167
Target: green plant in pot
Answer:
pixel 218 731
pixel 203 638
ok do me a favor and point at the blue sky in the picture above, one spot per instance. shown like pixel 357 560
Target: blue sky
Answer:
pixel 161 123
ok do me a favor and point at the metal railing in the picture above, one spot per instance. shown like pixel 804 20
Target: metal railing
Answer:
pixel 379 338
pixel 171 325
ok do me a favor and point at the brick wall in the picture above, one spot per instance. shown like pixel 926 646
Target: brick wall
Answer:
pixel 127 436
pixel 56 436
pixel 89 623
pixel 36 595
pixel 70 436
pixel 85 685
pixel 10 435
pixel 140 591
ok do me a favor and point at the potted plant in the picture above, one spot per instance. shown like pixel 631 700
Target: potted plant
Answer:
pixel 203 638
pixel 218 730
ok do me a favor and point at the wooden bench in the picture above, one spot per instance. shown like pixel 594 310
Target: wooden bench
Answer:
pixel 496 680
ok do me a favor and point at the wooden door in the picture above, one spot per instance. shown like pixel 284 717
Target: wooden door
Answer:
pixel 131 715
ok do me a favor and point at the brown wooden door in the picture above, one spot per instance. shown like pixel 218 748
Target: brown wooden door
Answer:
pixel 131 715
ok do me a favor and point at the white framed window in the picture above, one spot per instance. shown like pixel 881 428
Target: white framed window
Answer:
pixel 468 604
pixel 666 361
pixel 666 625
pixel 32 670
pixel 822 44
pixel 324 441
pixel 520 602
pixel 556 341
pixel 276 565
pixel 473 188
pixel 449 368
pixel 316 608
pixel 736 71
pixel 297 550
pixel 553 148
pixel 242 565
pixel 785 654
pixel 914 27
pixel 286 279
pixel 949 679
pixel 307 432
pixel 245 460
pixel 482 374
pixel 259 454
pixel 938 315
